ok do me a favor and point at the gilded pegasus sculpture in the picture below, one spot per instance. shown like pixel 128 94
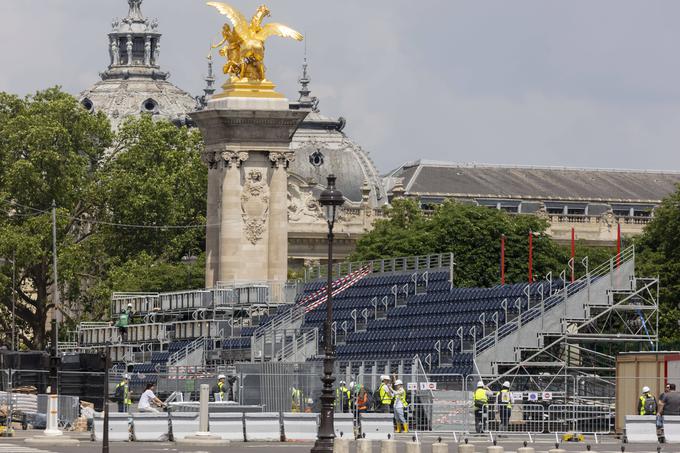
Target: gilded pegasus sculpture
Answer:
pixel 244 49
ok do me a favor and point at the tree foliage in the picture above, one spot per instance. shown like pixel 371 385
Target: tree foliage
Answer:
pixel 472 234
pixel 658 254
pixel 148 173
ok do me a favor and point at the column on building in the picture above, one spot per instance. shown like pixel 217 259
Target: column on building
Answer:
pixel 230 215
pixel 212 236
pixel 278 217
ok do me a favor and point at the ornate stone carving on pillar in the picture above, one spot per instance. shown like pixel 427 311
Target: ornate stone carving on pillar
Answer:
pixel 253 138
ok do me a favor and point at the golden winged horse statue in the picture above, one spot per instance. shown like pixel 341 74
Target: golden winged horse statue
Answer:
pixel 244 49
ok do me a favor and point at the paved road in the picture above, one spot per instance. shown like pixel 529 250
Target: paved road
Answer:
pixel 16 445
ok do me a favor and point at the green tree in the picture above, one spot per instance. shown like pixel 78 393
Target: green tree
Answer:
pixel 658 254
pixel 472 234
pixel 113 193
pixel 50 149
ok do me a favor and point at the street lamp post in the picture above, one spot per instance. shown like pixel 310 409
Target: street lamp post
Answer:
pixel 331 199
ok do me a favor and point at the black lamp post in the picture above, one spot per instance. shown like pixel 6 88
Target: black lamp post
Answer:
pixel 331 199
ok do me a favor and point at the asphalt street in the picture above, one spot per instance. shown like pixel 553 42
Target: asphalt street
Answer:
pixel 605 445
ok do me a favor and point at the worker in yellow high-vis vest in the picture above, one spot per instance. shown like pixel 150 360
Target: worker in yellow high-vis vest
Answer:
pixel 385 395
pixel 481 401
pixel 400 407
pixel 504 402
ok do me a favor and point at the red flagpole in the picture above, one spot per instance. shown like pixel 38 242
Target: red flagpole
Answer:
pixel 531 256
pixel 502 259
pixel 618 245
pixel 573 253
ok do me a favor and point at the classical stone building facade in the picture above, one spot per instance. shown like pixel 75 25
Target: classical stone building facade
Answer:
pixel 592 201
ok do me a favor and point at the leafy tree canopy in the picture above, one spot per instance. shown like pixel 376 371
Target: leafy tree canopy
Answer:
pixel 105 186
pixel 472 234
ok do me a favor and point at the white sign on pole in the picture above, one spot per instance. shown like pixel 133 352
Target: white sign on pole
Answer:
pixel 533 396
pixel 547 396
pixel 411 386
pixel 517 396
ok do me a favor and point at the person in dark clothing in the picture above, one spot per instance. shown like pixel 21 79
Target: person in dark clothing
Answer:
pixel 224 388
pixel 670 405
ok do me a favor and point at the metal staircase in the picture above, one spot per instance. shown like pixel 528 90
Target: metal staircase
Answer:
pixel 191 355
pixel 571 330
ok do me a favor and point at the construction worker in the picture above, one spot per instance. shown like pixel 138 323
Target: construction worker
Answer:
pixel 122 394
pixel 222 390
pixel 385 395
pixel 481 400
pixel 122 324
pixel 647 402
pixel 361 401
pixel 343 398
pixel 296 399
pixel 504 402
pixel 400 406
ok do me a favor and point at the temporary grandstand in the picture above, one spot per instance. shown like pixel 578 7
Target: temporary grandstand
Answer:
pixel 400 316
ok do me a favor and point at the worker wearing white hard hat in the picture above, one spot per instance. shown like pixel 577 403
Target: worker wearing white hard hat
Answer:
pixel 481 400
pixel 385 395
pixel 400 407
pixel 504 400
pixel 647 404
pixel 224 391
pixel 122 394
pixel 343 398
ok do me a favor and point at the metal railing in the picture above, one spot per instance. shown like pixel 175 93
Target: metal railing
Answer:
pixel 547 304
pixel 183 353
pixel 301 348
pixel 388 265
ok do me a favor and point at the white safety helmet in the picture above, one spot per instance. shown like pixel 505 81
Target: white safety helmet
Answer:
pixel 398 382
pixel 126 376
pixel 480 384
pixel 221 376
pixel 384 378
pixel 129 305
pixel 506 384
pixel 343 382
pixel 645 389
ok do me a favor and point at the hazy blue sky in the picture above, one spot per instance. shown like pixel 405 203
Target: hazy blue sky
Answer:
pixel 579 83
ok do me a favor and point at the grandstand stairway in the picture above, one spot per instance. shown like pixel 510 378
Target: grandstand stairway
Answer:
pixel 536 340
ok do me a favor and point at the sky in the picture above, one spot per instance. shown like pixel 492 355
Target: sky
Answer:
pixel 526 82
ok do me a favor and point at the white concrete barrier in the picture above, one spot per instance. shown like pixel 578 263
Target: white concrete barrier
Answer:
pixel 466 447
pixel 147 427
pixel 671 429
pixel 412 447
pixel 119 426
pixel 183 424
pixel 377 426
pixel 343 424
pixel 262 426
pixel 641 429
pixel 365 446
pixel 300 426
pixel 388 446
pixel 340 445
pixel 227 425
pixel 439 447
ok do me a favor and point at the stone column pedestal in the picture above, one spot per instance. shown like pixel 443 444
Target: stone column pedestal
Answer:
pixel 247 149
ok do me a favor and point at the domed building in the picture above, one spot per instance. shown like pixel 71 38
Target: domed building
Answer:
pixel 322 148
pixel 134 82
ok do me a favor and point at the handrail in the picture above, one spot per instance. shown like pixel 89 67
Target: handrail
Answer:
pixel 300 342
pixel 184 352
pixel 553 300
pixel 388 265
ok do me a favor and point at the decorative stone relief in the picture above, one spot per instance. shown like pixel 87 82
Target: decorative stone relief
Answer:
pixel 233 158
pixel 281 159
pixel 302 206
pixel 254 205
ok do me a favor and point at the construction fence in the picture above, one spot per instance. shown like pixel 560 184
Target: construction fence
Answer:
pixel 540 404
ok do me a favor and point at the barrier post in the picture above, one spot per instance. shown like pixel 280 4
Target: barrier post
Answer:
pixel 439 447
pixel 466 447
pixel 203 437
